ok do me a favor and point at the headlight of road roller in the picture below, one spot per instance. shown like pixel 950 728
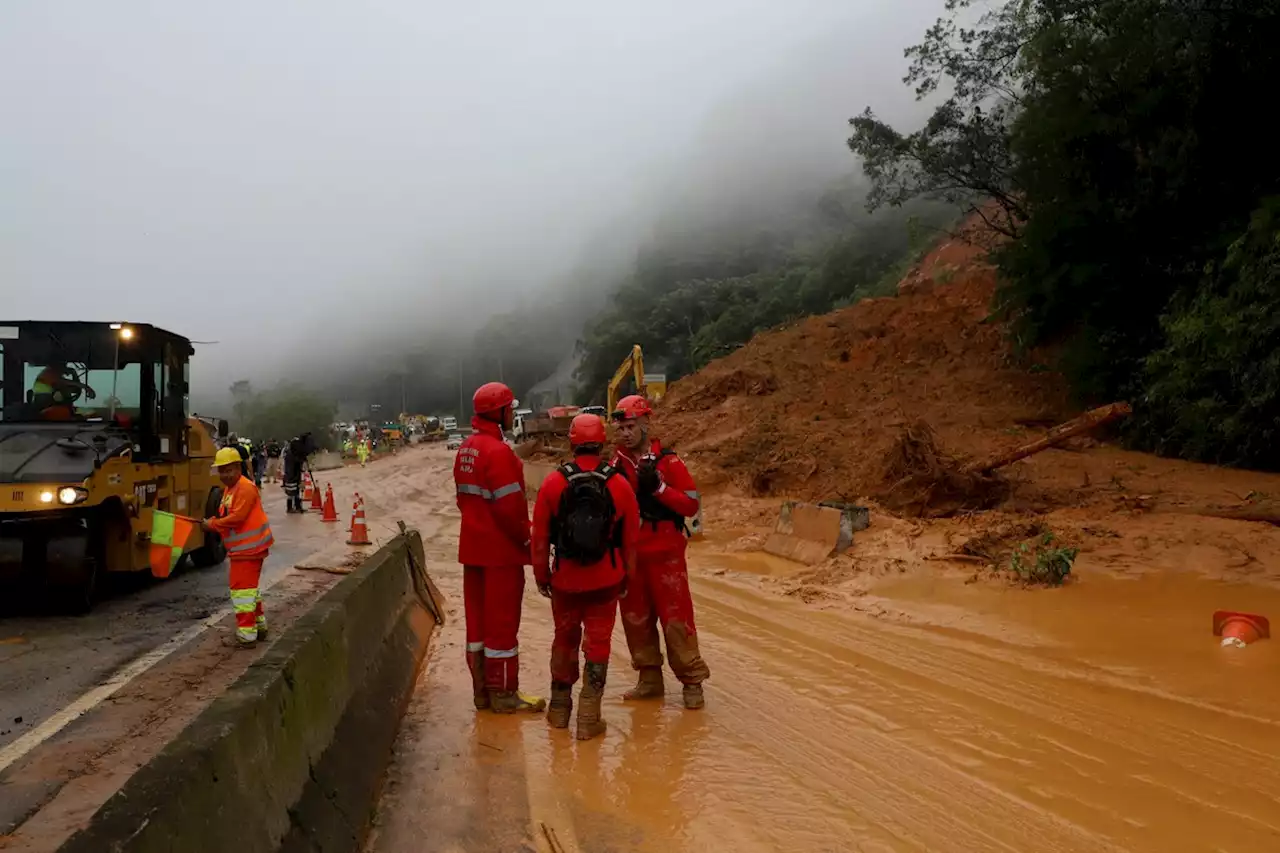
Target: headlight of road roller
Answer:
pixel 69 495
pixel 46 497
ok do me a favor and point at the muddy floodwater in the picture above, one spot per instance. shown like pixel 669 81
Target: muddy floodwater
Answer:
pixel 934 715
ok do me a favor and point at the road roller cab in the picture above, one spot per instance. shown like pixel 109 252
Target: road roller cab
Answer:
pixel 95 435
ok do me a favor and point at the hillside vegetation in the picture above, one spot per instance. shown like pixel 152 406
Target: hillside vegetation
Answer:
pixel 1138 188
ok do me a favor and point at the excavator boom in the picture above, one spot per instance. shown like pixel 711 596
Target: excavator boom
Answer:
pixel 633 364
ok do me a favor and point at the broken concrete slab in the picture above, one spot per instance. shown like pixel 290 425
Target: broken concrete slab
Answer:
pixel 810 533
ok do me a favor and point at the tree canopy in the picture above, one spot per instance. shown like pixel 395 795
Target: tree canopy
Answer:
pixel 1134 175
pixel 281 413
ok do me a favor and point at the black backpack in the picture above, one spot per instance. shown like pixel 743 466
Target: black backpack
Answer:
pixel 586 528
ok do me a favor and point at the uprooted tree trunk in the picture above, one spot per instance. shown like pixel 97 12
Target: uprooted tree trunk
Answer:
pixel 923 480
pixel 1090 420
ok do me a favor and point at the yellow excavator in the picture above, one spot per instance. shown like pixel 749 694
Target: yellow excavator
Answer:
pixel 649 385
pixel 95 436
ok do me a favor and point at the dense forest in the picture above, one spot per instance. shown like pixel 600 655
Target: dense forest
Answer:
pixel 1127 145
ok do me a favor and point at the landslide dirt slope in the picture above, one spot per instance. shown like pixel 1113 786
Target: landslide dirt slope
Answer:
pixel 810 410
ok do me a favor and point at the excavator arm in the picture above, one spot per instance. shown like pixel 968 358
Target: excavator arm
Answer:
pixel 633 364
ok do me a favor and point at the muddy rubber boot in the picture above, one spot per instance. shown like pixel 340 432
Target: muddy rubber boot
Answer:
pixel 561 705
pixel 648 686
pixel 479 695
pixel 515 702
pixel 693 699
pixel 589 722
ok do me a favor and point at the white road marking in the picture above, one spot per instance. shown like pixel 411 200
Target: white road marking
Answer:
pixel 104 691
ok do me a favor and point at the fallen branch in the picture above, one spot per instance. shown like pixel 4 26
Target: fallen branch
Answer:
pixel 333 570
pixel 959 558
pixel 1266 514
pixel 1090 420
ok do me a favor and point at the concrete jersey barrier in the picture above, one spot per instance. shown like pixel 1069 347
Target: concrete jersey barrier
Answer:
pixel 291 756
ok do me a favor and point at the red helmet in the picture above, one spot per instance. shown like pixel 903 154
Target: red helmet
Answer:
pixel 586 429
pixel 492 397
pixel 630 408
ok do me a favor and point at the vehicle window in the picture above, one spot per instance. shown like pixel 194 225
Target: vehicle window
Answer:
pixel 127 383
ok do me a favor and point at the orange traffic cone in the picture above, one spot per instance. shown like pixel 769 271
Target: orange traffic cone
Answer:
pixel 308 487
pixel 316 502
pixel 1240 629
pixel 330 511
pixel 359 530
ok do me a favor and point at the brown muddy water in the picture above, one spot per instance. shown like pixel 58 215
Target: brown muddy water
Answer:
pixel 929 714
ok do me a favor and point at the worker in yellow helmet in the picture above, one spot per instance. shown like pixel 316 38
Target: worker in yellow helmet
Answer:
pixel 242 523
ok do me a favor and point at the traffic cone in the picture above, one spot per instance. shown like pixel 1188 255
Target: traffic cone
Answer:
pixel 359 530
pixel 316 502
pixel 330 511
pixel 308 487
pixel 1240 629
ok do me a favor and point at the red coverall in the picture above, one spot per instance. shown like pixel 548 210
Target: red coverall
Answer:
pixel 242 524
pixel 661 591
pixel 584 598
pixel 493 547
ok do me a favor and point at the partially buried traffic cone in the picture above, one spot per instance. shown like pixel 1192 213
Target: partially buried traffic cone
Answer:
pixel 330 511
pixel 359 531
pixel 1240 629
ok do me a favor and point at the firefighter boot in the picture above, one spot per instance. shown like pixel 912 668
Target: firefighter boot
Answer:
pixel 649 685
pixel 561 705
pixel 479 695
pixel 693 699
pixel 589 722
pixel 513 701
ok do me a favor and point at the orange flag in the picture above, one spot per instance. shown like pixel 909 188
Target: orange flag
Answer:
pixel 169 537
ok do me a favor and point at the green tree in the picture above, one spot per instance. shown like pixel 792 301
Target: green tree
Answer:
pixel 286 411
pixel 1111 135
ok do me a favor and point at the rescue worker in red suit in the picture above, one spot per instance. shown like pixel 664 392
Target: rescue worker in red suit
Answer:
pixel 584 591
pixel 667 496
pixel 493 547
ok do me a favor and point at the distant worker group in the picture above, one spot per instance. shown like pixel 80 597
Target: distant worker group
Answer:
pixel 605 535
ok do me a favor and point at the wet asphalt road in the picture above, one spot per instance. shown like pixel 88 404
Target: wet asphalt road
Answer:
pixel 47 662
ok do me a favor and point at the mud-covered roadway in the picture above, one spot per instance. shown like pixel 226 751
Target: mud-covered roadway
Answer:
pixel 936 715
pixel 1100 716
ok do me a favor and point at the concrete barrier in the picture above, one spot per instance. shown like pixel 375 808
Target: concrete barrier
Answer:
pixel 810 533
pixel 292 756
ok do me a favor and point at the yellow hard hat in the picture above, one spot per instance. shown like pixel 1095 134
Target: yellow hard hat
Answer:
pixel 226 456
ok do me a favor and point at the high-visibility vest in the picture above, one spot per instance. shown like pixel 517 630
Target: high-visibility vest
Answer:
pixel 252 538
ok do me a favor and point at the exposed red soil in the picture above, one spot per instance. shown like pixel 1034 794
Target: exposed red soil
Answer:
pixel 813 410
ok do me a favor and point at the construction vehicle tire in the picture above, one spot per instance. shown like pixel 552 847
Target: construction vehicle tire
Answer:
pixel 72 563
pixel 214 550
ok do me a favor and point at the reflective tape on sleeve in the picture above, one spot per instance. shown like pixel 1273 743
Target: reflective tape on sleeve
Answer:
pixel 508 489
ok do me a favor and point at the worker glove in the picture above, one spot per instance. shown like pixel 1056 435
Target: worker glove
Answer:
pixel 648 480
pixel 544 589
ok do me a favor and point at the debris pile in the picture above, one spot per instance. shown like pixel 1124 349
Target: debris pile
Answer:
pixel 814 409
pixel 921 479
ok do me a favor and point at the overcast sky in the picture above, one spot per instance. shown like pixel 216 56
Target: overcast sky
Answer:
pixel 204 166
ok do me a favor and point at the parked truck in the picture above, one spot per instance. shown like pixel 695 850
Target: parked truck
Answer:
pixel 554 422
